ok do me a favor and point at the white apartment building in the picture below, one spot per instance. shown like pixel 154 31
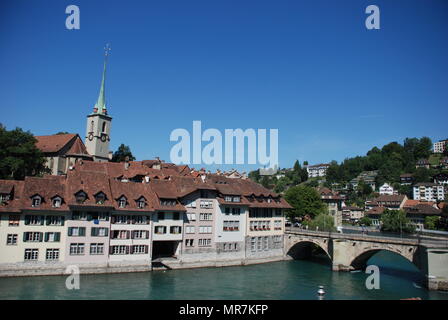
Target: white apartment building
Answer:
pixel 317 170
pixel 386 189
pixel 440 146
pixel 428 192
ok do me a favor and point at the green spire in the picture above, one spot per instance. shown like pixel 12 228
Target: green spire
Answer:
pixel 100 105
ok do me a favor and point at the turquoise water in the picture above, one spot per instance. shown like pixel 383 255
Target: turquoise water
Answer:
pixel 278 280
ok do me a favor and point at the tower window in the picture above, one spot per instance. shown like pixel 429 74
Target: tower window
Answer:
pixel 104 127
pixel 91 126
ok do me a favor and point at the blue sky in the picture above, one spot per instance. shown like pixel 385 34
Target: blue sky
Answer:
pixel 311 69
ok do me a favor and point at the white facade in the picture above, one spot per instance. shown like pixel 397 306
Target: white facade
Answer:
pixel 318 170
pixel 439 147
pixel 386 189
pixel 429 192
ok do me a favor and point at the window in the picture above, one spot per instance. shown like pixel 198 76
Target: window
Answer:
pixel 140 234
pixel 100 198
pixel 160 230
pixel 230 225
pixel 34 220
pixel 14 220
pixel 31 254
pixel 205 229
pixel 160 216
pixel 205 216
pixel 11 239
pixel 52 255
pixel 120 234
pixel 205 242
pixel 191 204
pixel 191 216
pixel 265 243
pixel 32 236
pixel 277 224
pixel 189 229
pixel 120 219
pixel 4 197
pixel 56 202
pixel 36 201
pixel 140 220
pixel 81 197
pixel 77 231
pixel 54 221
pixel 141 203
pixel 253 244
pixel 96 248
pixel 227 210
pixel 99 232
pixel 259 244
pixel 230 246
pixel 139 249
pixel 206 204
pixel 176 215
pixel 167 202
pixel 228 198
pixel 52 236
pixel 236 199
pixel 175 230
pixel 189 242
pixel 236 210
pixel 122 202
pixel 120 250
pixel 78 215
pixel 76 249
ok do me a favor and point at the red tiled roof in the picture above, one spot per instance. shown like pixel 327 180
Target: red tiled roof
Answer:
pixel 53 143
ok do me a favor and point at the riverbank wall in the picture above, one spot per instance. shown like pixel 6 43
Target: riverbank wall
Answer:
pixel 46 269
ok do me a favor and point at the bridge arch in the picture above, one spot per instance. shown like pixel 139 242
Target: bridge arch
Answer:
pixel 301 249
pixel 359 261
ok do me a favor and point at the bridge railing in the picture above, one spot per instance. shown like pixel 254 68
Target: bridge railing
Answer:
pixel 369 237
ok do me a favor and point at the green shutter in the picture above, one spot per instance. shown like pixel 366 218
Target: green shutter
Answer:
pixel 107 232
pixel 41 236
pixel 27 219
pixel 89 217
pixel 82 231
pixel 62 221
pixel 70 231
pixel 48 220
pixel 46 236
pixel 42 220
pixel 57 237
pixel 24 236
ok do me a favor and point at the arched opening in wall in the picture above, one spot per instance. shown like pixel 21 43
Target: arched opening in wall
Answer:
pixel 390 263
pixel 307 250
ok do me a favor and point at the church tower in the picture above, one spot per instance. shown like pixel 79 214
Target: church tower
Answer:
pixel 99 122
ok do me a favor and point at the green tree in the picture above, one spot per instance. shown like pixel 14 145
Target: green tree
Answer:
pixel 122 152
pixel 305 201
pixel 396 221
pixel 322 222
pixel 19 156
pixel 432 222
pixel 365 221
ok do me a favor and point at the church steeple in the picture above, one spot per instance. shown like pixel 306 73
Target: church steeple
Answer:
pixel 99 123
pixel 100 105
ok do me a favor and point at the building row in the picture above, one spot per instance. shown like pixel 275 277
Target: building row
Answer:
pixel 137 212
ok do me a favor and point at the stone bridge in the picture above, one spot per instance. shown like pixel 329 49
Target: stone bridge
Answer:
pixel 352 251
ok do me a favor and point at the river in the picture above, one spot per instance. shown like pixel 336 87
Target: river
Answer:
pixel 298 279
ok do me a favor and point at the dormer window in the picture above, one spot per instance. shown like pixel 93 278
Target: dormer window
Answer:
pixel 167 202
pixel 100 198
pixel 56 202
pixel 36 201
pixel 141 203
pixel 4 197
pixel 81 197
pixel 122 202
pixel 228 198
